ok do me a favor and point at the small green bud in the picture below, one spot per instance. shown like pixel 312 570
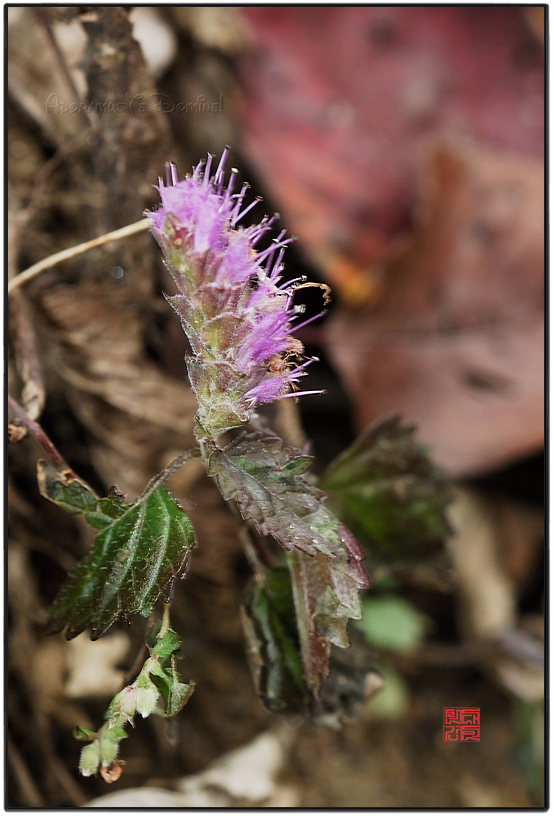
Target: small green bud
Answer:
pixel 123 707
pixel 147 692
pixel 90 759
pixel 109 744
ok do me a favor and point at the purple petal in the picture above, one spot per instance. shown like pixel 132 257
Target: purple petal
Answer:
pixel 266 391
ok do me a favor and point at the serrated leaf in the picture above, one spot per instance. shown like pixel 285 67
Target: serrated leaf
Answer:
pixel 326 595
pixel 265 479
pixel 318 623
pixel 136 558
pixel 386 489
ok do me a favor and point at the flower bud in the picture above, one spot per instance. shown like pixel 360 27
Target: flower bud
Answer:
pixel 90 759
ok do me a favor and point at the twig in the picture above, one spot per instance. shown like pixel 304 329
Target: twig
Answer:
pixel 21 327
pixel 36 431
pixel 62 63
pixel 71 252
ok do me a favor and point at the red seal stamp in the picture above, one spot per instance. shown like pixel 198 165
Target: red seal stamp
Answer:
pixel 461 724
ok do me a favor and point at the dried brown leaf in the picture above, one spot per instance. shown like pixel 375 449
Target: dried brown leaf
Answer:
pixel 456 343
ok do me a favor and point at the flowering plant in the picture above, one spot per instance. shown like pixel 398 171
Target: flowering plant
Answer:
pixel 234 311
pixel 239 317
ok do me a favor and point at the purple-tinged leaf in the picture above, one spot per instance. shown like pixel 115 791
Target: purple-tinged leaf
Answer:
pixel 266 479
pixel 326 596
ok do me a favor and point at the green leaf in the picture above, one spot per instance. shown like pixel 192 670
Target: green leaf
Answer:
pixel 167 645
pixel 65 489
pixel 83 734
pixel 169 684
pixel 266 480
pixel 273 646
pixel 107 510
pixel 140 551
pixel 391 622
pixel 179 694
pixel 385 488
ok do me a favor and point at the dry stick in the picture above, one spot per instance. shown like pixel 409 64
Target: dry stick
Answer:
pixel 62 62
pixel 24 339
pixel 65 254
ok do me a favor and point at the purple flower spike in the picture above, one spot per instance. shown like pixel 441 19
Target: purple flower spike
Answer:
pixel 237 318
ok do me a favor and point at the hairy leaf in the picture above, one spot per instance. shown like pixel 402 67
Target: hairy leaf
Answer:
pixel 65 489
pixel 273 648
pixel 139 552
pixel 266 479
pixel 388 491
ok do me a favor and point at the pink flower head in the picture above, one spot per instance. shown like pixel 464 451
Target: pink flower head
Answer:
pixel 236 315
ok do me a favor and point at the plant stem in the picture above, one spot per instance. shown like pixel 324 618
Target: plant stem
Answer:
pixel 36 431
pixel 168 471
pixel 65 254
pixel 165 621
